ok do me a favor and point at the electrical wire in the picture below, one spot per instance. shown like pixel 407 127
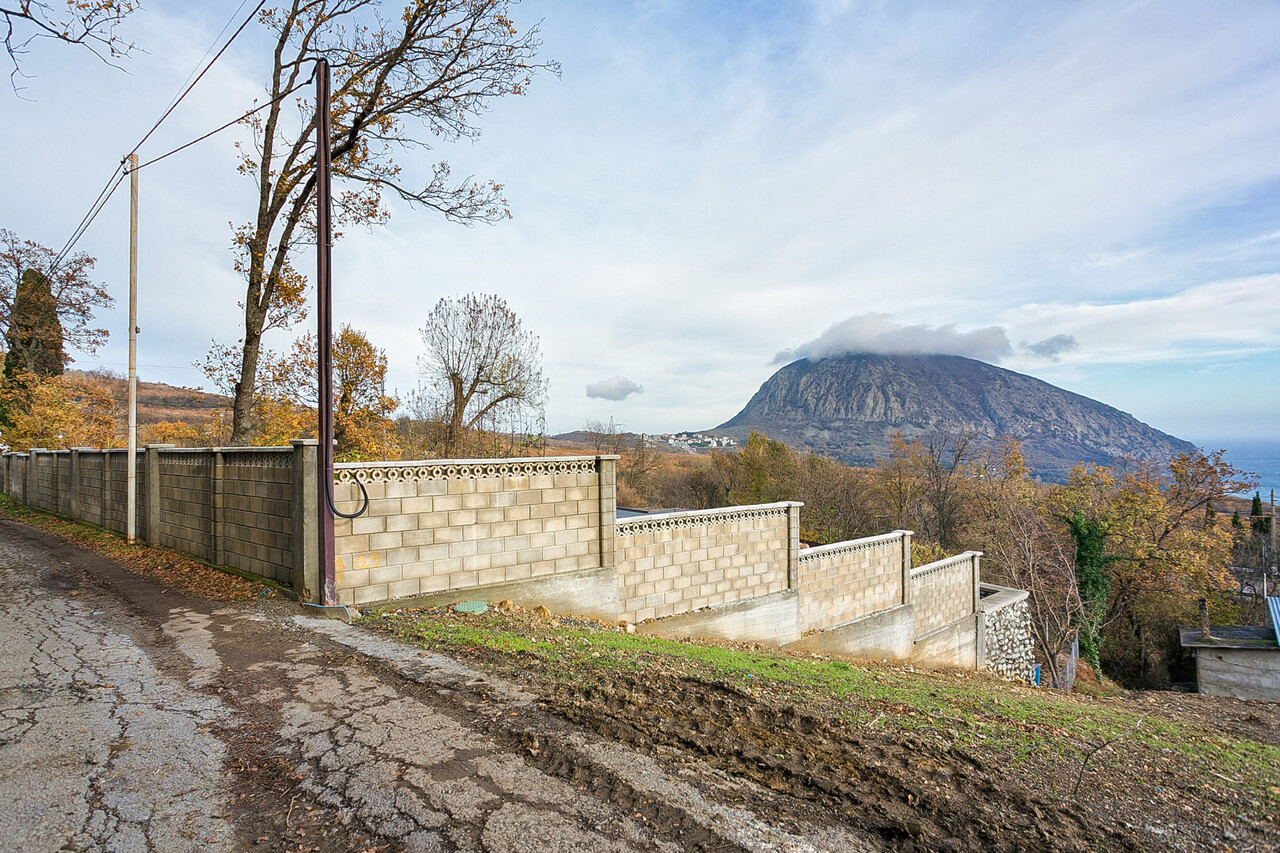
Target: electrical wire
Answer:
pixel 103 197
pixel 221 128
pixel 230 20
pixel 187 91
pixel 110 187
pixel 328 496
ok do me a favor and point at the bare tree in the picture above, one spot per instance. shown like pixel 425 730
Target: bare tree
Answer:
pixel 88 23
pixel 481 369
pixel 432 65
pixel 606 438
pixel 1025 547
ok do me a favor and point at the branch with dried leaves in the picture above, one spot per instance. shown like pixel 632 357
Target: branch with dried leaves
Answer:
pixel 88 23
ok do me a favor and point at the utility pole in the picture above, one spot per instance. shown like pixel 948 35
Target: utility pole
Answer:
pixel 132 463
pixel 324 331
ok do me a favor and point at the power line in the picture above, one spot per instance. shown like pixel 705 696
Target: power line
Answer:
pixel 230 20
pixel 221 128
pixel 185 92
pixel 110 187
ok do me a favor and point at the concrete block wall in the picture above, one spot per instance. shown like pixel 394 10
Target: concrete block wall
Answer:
pixel 675 562
pixel 15 476
pixel 88 483
pixel 945 592
pixel 547 524
pixel 116 491
pixel 849 580
pixel 246 520
pixel 45 494
pixel 458 524
pixel 254 510
pixel 185 517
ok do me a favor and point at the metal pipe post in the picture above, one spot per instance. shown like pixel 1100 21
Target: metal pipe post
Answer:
pixel 324 332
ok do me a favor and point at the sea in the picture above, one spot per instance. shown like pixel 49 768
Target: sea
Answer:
pixel 1260 457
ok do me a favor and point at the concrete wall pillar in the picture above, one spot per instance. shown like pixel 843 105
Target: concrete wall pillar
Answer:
pixel 73 507
pixel 793 546
pixel 974 560
pixel 150 491
pixel 980 642
pixel 305 575
pixel 907 596
pixel 607 466
pixel 217 510
pixel 33 476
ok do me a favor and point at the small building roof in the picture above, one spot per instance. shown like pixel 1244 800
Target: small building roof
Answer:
pixel 1230 637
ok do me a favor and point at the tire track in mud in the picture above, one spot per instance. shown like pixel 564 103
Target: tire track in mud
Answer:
pixel 910 796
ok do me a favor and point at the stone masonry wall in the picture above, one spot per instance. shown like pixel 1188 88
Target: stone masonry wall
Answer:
pixel 671 563
pixel 848 580
pixel 1008 642
pixel 944 592
pixel 455 524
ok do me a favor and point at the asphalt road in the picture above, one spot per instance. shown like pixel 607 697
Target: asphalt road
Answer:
pixel 135 718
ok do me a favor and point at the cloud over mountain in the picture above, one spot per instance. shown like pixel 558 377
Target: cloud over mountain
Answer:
pixel 881 335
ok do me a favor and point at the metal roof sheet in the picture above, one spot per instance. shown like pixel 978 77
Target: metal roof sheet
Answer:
pixel 1273 604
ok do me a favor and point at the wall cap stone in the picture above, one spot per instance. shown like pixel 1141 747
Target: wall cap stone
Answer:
pixel 946 563
pixel 464 469
pixel 689 517
pixel 836 548
pixel 999 597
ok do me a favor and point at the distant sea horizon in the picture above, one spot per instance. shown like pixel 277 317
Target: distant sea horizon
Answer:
pixel 1258 456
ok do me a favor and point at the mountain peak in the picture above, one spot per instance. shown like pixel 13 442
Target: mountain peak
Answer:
pixel 848 406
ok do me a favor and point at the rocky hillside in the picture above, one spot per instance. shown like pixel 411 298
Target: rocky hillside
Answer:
pixel 848 407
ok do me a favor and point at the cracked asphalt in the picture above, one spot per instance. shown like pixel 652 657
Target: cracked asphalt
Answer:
pixel 135 718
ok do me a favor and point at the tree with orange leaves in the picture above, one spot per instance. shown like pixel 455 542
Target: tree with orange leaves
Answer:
pixel 285 400
pixel 1158 549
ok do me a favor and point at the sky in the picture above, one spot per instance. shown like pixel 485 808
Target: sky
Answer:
pixel 1088 193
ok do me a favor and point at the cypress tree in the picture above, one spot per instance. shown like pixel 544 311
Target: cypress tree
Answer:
pixel 34 338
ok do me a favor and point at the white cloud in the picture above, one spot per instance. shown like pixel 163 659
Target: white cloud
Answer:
pixel 616 388
pixel 1209 320
pixel 878 333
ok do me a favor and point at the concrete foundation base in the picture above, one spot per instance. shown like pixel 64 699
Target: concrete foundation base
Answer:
pixel 773 620
pixel 592 593
pixel 886 634
pixel 953 645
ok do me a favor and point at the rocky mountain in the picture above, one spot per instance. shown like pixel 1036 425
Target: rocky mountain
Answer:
pixel 849 406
